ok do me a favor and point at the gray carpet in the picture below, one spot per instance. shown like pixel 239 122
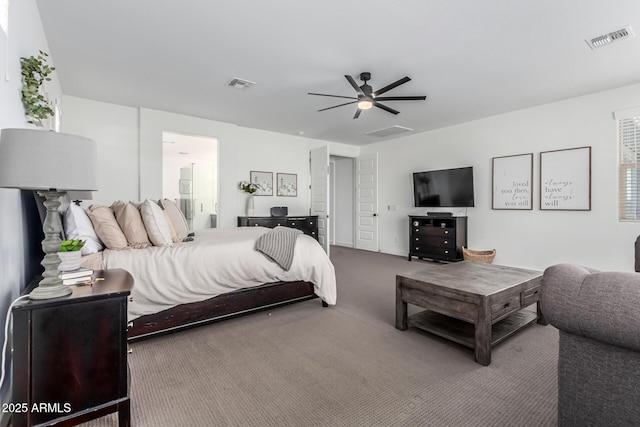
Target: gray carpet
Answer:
pixel 304 365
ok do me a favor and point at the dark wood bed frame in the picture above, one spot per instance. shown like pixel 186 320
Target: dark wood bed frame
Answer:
pixel 221 307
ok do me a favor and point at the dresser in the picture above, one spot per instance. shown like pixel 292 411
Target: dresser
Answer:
pixel 306 224
pixel 70 354
pixel 437 237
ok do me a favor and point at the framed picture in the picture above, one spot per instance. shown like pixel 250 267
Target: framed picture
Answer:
pixel 565 179
pixel 287 184
pixel 264 181
pixel 512 182
pixel 184 186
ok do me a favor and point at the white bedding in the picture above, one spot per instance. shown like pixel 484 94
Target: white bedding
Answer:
pixel 216 262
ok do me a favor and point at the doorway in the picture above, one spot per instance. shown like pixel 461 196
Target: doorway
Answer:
pixel 341 183
pixel 190 177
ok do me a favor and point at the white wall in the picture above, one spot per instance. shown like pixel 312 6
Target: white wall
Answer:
pixel 26 39
pixel 130 155
pixel 534 239
pixel 115 130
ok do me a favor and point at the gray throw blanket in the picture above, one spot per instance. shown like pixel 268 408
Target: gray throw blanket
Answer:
pixel 278 245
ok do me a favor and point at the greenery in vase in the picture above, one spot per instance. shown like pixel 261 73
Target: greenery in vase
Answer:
pixel 71 245
pixel 248 187
pixel 35 71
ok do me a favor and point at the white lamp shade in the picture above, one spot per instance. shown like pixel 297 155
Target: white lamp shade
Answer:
pixel 32 159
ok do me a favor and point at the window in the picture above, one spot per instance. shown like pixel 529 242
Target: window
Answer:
pixel 629 168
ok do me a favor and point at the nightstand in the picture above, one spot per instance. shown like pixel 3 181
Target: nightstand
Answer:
pixel 70 354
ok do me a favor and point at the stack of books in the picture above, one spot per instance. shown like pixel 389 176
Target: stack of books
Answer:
pixel 79 276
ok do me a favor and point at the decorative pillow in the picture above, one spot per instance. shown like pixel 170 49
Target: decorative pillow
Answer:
pixel 77 225
pixel 174 236
pixel 130 222
pixel 156 223
pixel 176 218
pixel 107 228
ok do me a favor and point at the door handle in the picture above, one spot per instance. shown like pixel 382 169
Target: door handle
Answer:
pixel 375 214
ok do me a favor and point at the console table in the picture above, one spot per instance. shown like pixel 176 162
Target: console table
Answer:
pixel 306 224
pixel 70 354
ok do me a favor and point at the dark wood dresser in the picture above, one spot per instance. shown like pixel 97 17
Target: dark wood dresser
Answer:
pixel 437 237
pixel 70 354
pixel 307 224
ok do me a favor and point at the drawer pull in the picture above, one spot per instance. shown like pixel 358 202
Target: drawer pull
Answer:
pixel 446 231
pixel 130 325
pixel 446 241
pixel 130 299
pixel 417 239
pixel 446 252
pixel 293 223
pixel 417 248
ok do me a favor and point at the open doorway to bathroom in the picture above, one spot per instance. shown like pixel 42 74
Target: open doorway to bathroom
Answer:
pixel 190 177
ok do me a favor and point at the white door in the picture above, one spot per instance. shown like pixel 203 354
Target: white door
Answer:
pixel 320 193
pixel 367 202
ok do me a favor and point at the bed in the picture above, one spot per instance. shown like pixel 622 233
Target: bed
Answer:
pixel 216 276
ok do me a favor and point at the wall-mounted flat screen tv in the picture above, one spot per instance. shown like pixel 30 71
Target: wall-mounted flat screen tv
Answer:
pixel 450 188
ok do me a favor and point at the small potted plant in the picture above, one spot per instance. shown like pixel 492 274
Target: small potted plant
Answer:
pixel 70 254
pixel 249 187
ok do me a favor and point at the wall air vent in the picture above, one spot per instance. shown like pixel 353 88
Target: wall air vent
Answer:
pixel 237 83
pixel 605 39
pixel 391 130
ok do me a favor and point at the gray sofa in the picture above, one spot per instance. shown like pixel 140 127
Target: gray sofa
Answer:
pixel 598 316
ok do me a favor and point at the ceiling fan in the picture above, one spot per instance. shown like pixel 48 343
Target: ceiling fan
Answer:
pixel 367 98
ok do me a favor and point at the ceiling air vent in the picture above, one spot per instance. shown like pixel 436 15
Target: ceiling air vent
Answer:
pixel 603 40
pixel 237 83
pixel 391 130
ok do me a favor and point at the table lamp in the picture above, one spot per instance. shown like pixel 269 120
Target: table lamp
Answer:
pixel 51 163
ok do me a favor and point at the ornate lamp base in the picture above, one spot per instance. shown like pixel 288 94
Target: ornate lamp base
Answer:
pixel 51 285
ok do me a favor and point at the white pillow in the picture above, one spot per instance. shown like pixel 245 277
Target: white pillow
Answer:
pixel 156 223
pixel 176 218
pixel 77 225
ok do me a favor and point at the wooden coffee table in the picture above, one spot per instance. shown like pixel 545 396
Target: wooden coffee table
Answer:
pixel 474 304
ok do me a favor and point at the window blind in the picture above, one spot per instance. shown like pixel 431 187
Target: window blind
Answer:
pixel 629 168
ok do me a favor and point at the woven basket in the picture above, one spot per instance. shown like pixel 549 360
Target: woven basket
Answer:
pixel 478 256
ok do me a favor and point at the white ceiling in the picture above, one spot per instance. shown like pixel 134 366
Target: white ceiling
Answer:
pixel 472 59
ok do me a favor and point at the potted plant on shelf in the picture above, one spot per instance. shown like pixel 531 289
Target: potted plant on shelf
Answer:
pixel 249 187
pixel 70 254
pixel 35 71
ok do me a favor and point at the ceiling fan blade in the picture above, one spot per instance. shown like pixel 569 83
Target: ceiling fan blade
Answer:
pixel 336 106
pixel 333 96
pixel 391 86
pixel 385 108
pixel 358 111
pixel 354 84
pixel 401 98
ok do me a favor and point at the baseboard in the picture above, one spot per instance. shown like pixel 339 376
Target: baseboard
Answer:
pixel 392 252
pixel 345 244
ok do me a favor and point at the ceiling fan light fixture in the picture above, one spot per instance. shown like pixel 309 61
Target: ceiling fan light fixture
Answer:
pixel 365 104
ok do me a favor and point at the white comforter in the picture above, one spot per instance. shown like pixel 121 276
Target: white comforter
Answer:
pixel 216 262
